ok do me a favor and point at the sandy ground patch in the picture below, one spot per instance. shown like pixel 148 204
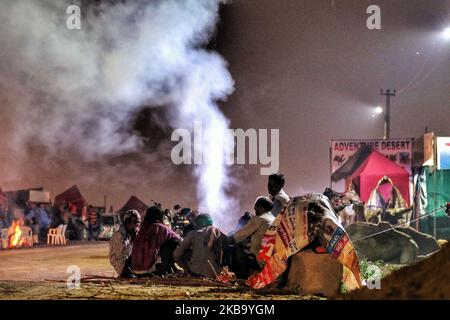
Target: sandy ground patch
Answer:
pixel 40 273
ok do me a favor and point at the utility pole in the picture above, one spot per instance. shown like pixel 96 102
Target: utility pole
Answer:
pixel 387 112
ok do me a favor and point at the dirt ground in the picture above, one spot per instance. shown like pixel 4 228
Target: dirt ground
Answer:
pixel 428 279
pixel 42 263
pixel 40 273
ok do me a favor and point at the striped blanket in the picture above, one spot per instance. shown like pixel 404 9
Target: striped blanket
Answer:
pixel 303 220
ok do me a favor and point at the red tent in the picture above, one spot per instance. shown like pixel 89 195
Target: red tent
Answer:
pixel 72 195
pixel 372 170
pixel 134 203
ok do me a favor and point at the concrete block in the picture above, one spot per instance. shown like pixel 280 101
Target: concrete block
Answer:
pixel 312 273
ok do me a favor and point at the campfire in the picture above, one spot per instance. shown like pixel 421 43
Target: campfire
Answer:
pixel 17 236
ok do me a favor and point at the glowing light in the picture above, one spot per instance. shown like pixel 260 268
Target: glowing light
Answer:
pixel 446 33
pixel 378 110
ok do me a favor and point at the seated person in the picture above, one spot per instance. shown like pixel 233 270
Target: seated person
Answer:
pixel 121 244
pixel 32 222
pixel 41 217
pixel 254 230
pixel 243 220
pixel 201 252
pixel 277 194
pixel 59 217
pixel 191 216
pixel 154 240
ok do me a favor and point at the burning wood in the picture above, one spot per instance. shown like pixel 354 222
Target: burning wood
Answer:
pixel 17 236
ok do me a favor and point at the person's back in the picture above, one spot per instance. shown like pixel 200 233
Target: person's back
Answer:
pixel 42 217
pixel 203 260
pixel 205 246
pixel 278 195
pixel 152 236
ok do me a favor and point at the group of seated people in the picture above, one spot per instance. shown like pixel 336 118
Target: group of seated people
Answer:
pixel 150 247
pixel 41 217
pixel 36 217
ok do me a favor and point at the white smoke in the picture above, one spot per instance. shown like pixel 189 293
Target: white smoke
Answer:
pixel 77 89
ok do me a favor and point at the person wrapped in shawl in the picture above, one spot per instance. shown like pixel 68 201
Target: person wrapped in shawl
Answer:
pixel 387 204
pixel 121 244
pixel 306 219
pixel 201 252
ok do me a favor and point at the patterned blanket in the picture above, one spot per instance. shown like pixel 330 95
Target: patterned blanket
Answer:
pixel 303 220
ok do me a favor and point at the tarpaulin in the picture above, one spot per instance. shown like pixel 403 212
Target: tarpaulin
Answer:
pixel 295 228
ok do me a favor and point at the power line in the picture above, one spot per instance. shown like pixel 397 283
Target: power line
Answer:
pixel 412 81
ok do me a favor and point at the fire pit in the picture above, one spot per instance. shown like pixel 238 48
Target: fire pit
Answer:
pixel 16 236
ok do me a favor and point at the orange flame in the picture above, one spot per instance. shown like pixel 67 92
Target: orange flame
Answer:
pixel 15 234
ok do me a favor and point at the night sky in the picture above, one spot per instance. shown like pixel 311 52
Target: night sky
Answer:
pixel 309 68
pixel 312 69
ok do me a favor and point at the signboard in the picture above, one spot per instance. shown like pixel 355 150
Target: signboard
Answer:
pixel 39 196
pixel 443 153
pixel 397 150
pixel 423 151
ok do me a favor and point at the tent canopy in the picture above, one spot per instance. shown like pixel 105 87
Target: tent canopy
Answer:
pixel 134 203
pixel 72 195
pixel 372 170
pixel 352 164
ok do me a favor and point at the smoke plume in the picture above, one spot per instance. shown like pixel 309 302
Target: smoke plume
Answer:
pixel 69 97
